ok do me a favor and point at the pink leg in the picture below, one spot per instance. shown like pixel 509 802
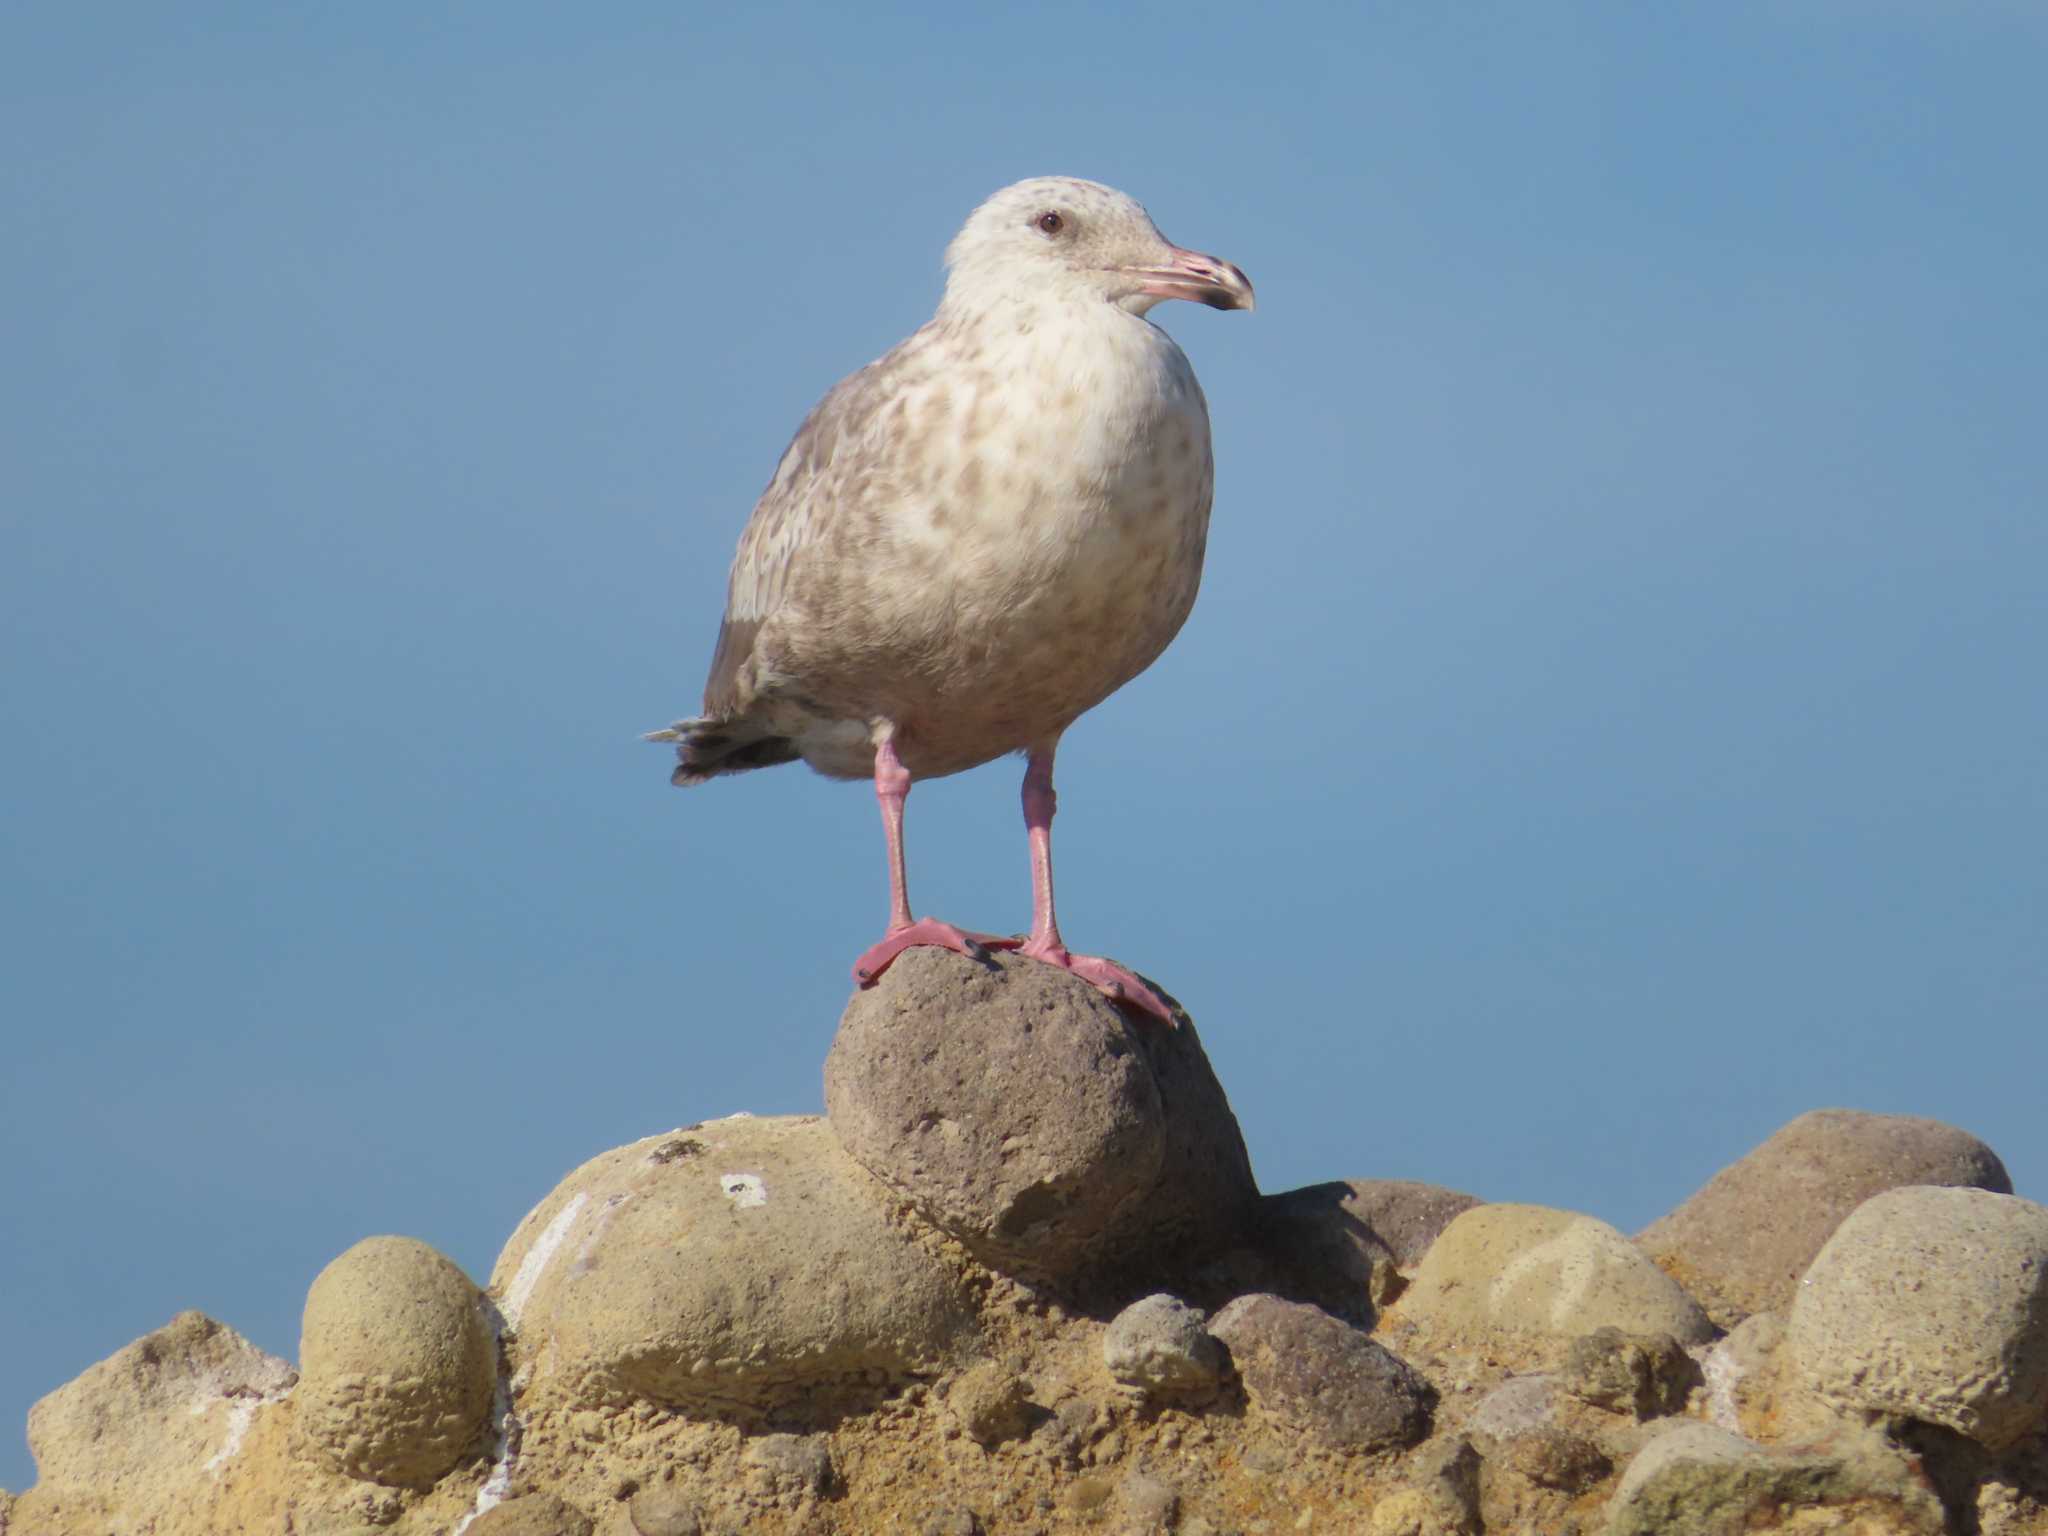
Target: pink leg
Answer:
pixel 1109 978
pixel 892 788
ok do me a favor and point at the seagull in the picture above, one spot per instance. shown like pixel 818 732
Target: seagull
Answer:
pixel 979 537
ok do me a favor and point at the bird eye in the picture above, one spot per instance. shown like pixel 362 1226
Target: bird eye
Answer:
pixel 1051 223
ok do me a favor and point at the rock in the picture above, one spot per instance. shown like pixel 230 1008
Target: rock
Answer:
pixel 1737 1371
pixel 1018 1109
pixel 1159 1346
pixel 165 1411
pixel 991 1404
pixel 1932 1303
pixel 664 1509
pixel 1551 1457
pixel 1321 1376
pixel 951 1520
pixel 532 1514
pixel 1440 1497
pixel 1149 1503
pixel 399 1365
pixel 1644 1374
pixel 1347 1244
pixel 1704 1481
pixel 734 1267
pixel 1520 1282
pixel 794 1464
pixel 1741 1243
pixel 1519 1406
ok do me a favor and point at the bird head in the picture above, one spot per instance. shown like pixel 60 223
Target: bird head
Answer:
pixel 1061 235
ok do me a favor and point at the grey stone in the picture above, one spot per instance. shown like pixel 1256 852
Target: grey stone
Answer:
pixel 398 1365
pixel 1741 1243
pixel 1018 1109
pixel 532 1514
pixel 1932 1303
pixel 951 1520
pixel 794 1463
pixel 664 1509
pixel 1706 1481
pixel 1518 1283
pixel 1348 1243
pixel 1643 1374
pixel 1159 1346
pixel 1519 1406
pixel 1322 1376
pixel 740 1266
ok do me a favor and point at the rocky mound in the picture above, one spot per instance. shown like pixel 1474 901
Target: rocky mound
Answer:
pixel 1019 1279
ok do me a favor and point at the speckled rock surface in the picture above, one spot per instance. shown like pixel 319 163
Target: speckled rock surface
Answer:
pixel 1528 1280
pixel 1321 1375
pixel 1741 1243
pixel 1701 1480
pixel 399 1364
pixel 1018 1109
pixel 1158 1346
pixel 726 1266
pixel 1932 1303
pixel 1646 1375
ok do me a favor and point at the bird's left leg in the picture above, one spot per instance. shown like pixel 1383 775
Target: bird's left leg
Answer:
pixel 1109 978
pixel 892 788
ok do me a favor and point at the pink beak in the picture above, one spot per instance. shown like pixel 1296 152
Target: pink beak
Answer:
pixel 1191 275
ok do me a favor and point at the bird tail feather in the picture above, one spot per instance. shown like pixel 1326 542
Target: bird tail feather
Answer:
pixel 707 747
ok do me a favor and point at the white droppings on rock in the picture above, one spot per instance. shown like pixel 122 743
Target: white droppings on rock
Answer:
pixel 242 1412
pixel 744 1189
pixel 505 1425
pixel 536 1261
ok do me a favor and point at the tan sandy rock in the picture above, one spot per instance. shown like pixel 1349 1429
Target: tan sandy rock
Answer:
pixel 1521 1282
pixel 1643 1374
pixel 533 1514
pixel 173 1409
pixel 1702 1480
pixel 399 1365
pixel 732 1267
pixel 1932 1303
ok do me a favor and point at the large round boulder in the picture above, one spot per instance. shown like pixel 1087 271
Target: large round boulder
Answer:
pixel 743 1266
pixel 1741 1243
pixel 397 1365
pixel 1519 1283
pixel 1018 1109
pixel 1932 1304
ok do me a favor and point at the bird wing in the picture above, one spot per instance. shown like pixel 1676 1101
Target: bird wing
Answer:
pixel 817 483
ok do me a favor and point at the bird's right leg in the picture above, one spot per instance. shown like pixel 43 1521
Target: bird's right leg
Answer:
pixel 892 788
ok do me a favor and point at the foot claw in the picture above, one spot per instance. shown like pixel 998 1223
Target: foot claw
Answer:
pixel 925 931
pixel 1123 987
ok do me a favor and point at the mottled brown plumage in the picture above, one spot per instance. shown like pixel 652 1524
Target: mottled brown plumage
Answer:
pixel 981 535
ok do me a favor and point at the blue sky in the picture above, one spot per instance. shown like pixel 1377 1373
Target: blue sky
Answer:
pixel 1613 722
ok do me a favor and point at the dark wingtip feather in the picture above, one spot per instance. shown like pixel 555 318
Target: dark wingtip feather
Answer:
pixel 706 748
